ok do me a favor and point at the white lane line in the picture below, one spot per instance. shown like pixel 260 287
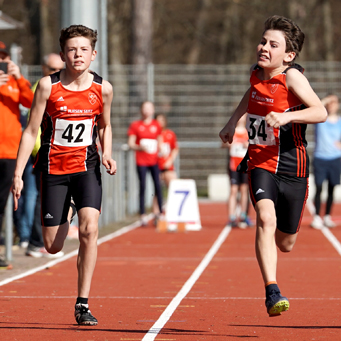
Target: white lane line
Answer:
pixel 165 316
pixel 113 235
pixel 332 239
pixel 329 235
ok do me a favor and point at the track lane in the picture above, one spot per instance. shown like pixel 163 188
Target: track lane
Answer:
pixel 139 273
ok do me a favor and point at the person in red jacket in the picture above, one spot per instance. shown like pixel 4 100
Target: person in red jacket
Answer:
pixel 144 136
pixel 14 90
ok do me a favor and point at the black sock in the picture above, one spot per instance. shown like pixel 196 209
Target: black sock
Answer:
pixel 271 287
pixel 82 300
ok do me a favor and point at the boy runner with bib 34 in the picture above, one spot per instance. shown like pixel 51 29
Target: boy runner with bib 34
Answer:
pixel 279 103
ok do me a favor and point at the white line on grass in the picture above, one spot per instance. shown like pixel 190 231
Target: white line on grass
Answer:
pixel 165 316
pixel 110 236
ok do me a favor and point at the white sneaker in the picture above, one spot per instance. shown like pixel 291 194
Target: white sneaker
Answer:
pixel 24 244
pixel 317 222
pixel 327 221
pixel 38 252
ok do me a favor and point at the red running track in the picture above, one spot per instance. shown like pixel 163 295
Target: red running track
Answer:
pixel 183 286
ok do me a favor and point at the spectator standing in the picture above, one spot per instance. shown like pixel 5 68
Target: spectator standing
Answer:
pixel 327 160
pixel 14 90
pixel 144 136
pixel 239 186
pixel 169 150
pixel 51 63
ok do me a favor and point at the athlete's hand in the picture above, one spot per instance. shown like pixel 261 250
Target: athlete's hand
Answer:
pixel 277 119
pixel 226 134
pixel 17 186
pixel 110 165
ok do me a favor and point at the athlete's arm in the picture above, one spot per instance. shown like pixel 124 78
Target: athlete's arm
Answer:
pixel 104 129
pixel 315 112
pixel 226 134
pixel 29 135
pixel 132 144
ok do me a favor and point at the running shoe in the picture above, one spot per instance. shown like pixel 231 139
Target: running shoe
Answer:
pixel 317 222
pixel 4 264
pixel 276 303
pixel 244 221
pixel 232 222
pixel 327 221
pixel 83 315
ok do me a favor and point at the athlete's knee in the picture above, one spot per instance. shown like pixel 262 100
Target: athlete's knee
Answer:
pixel 53 247
pixel 266 220
pixel 88 232
pixel 285 245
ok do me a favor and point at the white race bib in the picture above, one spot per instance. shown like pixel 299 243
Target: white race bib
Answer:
pixel 73 133
pixel 150 145
pixel 259 131
pixel 165 149
pixel 237 149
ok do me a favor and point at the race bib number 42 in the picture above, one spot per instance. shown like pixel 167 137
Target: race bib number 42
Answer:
pixel 73 133
pixel 259 131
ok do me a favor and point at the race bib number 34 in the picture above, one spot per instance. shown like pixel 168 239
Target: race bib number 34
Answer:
pixel 73 133
pixel 259 131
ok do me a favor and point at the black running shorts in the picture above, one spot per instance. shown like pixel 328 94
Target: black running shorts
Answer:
pixel 237 178
pixel 56 191
pixel 289 194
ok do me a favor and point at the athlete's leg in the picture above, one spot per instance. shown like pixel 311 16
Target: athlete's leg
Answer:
pixel 142 173
pixel 317 199
pixel 87 255
pixel 266 250
pixel 155 173
pixel 232 203
pixel 244 197
pixel 55 205
pixel 285 241
pixel 168 176
pixel 330 198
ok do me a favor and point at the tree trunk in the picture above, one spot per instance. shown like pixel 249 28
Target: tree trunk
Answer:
pixel 328 30
pixel 142 31
pixel 46 38
pixel 194 53
pixel 141 52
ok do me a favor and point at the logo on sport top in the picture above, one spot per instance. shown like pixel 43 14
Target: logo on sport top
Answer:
pixel 273 88
pixel 92 98
pixel 152 129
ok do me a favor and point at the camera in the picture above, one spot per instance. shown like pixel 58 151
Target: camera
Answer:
pixel 3 66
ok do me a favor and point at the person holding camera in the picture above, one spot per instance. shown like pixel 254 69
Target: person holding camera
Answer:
pixel 14 90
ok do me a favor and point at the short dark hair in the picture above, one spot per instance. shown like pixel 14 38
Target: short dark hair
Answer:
pixel 294 36
pixel 77 31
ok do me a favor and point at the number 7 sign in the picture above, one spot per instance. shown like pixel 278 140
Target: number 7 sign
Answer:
pixel 182 204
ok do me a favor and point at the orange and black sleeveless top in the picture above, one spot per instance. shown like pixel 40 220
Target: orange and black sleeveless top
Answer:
pixel 69 128
pixel 278 150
